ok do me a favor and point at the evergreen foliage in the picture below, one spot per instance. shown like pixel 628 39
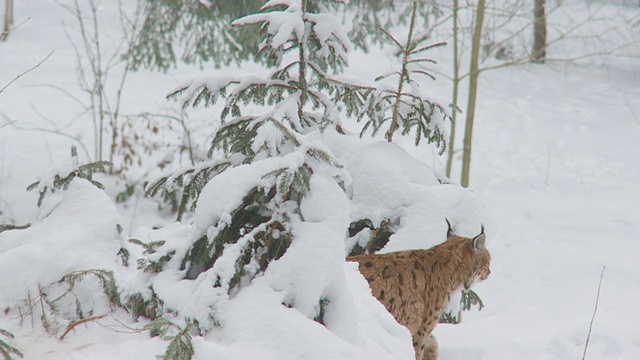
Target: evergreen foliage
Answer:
pixel 152 264
pixel 182 188
pixel 180 346
pixel 322 305
pixel 368 239
pixel 107 283
pixel 147 305
pixel 296 99
pixel 288 89
pixel 468 298
pixel 6 349
pixel 399 108
pixel 258 228
pixel 64 177
pixel 201 28
pixel 201 31
pixel 320 46
pixel 7 227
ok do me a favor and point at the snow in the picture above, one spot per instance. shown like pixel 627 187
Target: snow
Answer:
pixel 79 234
pixel 555 181
pixel 386 180
pixel 224 192
pixel 311 269
pixel 277 334
pixel 281 25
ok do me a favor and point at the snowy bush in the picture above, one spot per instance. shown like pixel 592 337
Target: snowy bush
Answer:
pixel 63 268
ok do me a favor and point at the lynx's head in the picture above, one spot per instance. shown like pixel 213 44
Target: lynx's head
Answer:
pixel 474 248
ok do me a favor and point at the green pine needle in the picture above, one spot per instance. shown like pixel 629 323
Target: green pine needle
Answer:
pixel 6 349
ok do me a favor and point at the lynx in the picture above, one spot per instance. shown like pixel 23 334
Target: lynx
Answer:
pixel 416 285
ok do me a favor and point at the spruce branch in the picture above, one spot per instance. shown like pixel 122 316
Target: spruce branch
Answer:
pixel 397 108
pixel 148 306
pixel 6 349
pixel 369 239
pixel 595 309
pixel 154 261
pixel 469 298
pixel 448 318
pixel 323 156
pixel 7 227
pixel 404 76
pixel 62 181
pixel 180 344
pixel 182 188
pixel 106 279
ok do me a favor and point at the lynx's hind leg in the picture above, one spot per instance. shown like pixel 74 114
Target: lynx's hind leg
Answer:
pixel 431 348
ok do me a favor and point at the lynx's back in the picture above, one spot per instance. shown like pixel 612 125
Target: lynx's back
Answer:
pixel 416 285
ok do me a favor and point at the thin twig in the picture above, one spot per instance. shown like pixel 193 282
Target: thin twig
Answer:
pixel 62 90
pixel 7 123
pixel 129 329
pixel 28 71
pixel 586 344
pixel 22 23
pixel 57 132
pixel 75 323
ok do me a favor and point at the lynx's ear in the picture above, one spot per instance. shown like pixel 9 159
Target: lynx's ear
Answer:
pixel 478 241
pixel 449 230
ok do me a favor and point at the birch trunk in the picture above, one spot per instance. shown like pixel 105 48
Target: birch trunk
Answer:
pixel 473 86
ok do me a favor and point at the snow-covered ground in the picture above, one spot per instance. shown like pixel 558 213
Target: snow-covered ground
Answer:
pixel 556 162
pixel 559 166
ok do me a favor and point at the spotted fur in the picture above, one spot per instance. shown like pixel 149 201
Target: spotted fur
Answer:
pixel 416 285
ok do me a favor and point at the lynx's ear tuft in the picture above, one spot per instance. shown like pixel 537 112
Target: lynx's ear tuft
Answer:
pixel 449 230
pixel 478 241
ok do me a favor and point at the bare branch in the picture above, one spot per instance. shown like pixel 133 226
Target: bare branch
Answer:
pixel 20 24
pixel 62 90
pixel 27 71
pixel 7 123
pixel 51 131
pixel 595 309
pixel 75 323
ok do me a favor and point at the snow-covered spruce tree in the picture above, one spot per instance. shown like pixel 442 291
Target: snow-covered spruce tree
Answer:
pixel 404 107
pixel 317 42
pixel 400 107
pixel 274 161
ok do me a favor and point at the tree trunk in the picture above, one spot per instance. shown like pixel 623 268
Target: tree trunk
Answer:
pixel 8 20
pixel 473 86
pixel 456 84
pixel 539 32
